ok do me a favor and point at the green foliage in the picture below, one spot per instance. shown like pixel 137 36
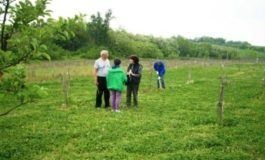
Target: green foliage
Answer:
pixel 74 37
pixel 13 83
pixel 58 53
pixel 22 40
pixel 25 13
pixel 232 44
pixel 92 53
pixel 210 40
pixel 98 28
pixel 169 47
pixel 147 50
pixel 13 80
pixel 121 43
pixel 25 35
pixel 31 93
pixel 186 47
pixel 125 44
pixel 71 33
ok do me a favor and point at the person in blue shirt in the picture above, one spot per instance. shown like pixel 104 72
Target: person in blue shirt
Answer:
pixel 160 69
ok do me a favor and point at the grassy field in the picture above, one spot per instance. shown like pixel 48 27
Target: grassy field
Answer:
pixel 177 123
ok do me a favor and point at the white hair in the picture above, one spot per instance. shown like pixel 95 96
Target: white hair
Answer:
pixel 104 52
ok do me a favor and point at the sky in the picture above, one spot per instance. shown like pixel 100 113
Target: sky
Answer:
pixel 237 20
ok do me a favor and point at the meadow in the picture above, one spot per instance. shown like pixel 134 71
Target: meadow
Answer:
pixel 179 122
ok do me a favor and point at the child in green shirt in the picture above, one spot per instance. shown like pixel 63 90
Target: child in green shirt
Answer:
pixel 116 78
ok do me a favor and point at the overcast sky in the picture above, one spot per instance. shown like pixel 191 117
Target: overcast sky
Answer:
pixel 242 20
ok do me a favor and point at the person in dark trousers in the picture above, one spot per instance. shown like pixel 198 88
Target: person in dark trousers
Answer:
pixel 160 69
pixel 134 73
pixel 101 67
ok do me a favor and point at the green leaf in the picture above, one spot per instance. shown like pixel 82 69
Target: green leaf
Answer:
pixel 34 44
pixel 44 55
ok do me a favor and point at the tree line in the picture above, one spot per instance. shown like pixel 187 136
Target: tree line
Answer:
pixel 88 38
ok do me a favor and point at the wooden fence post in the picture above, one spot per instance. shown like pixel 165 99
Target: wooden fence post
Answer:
pixel 220 104
pixel 151 74
pixel 66 87
pixel 189 78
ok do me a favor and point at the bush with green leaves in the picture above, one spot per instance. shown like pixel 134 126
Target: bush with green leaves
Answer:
pixel 13 83
pixel 93 52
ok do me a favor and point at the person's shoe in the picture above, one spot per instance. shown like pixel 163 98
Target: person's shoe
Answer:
pixel 117 111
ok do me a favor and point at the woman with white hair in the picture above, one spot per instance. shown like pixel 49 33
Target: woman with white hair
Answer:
pixel 101 67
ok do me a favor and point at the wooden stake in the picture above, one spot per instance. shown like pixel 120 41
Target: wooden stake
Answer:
pixel 220 104
pixel 66 87
pixel 151 74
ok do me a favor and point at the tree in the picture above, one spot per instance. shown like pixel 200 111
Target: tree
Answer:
pixel 23 36
pixel 99 27
pixel 169 47
pixel 186 47
pixel 72 32
pixel 22 39
pixel 210 40
pixel 203 50
pixel 5 5
pixel 121 43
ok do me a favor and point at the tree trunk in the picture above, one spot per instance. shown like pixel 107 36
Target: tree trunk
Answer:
pixel 3 37
pixel 10 110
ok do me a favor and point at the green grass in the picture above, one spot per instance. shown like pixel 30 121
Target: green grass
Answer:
pixel 177 123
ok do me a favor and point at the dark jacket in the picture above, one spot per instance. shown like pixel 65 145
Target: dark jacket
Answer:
pixel 136 69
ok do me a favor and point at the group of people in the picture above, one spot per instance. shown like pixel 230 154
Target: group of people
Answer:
pixel 110 80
